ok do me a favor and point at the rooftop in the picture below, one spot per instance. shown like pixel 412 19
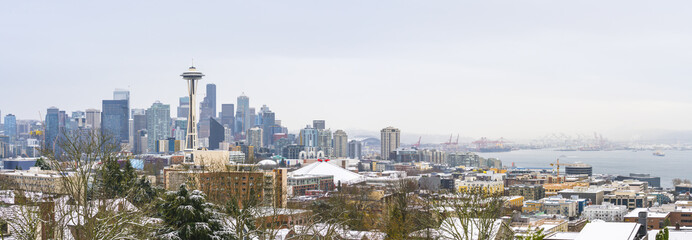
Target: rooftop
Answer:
pixel 609 231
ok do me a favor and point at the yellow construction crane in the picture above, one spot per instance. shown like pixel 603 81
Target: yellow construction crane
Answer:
pixel 558 164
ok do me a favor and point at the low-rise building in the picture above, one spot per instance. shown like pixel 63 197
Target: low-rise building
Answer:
pixel 607 212
pixel 532 206
pixel 529 192
pixel 240 181
pixel 33 180
pixel 552 189
pixel 630 198
pixel 485 186
pixel 514 202
pixel 560 206
pixel 594 195
pixel 303 183
pixel 655 218
pixel 548 226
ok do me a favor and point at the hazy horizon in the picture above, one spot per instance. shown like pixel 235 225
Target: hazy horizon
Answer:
pixel 495 69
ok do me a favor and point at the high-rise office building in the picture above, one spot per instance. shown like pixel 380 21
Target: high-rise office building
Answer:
pixel 254 137
pixel 242 116
pixel 76 121
pixel 158 124
pixel 216 134
pixel 141 142
pixel 11 126
pixel 183 107
pixel 52 127
pixel 324 142
pixel 355 149
pixel 133 130
pixel 63 119
pixel 228 115
pixel 207 110
pixel 208 105
pixel 253 118
pixel 318 124
pixel 308 137
pixel 180 129
pixel 203 127
pixel 268 120
pixel 390 138
pixel 139 123
pixel 340 144
pixel 227 134
pixel 93 118
pixel 122 94
pixel 115 120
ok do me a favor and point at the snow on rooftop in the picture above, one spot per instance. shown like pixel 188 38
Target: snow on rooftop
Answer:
pixel 651 213
pixel 325 168
pixel 609 231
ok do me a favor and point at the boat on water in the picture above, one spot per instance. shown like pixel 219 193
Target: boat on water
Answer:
pixel 659 154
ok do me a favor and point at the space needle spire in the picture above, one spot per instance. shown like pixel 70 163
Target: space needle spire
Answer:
pixel 192 76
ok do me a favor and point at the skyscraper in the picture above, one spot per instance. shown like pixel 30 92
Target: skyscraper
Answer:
pixel 180 125
pixel 93 118
pixel 355 149
pixel 192 76
pixel 318 124
pixel 216 134
pixel 183 107
pixel 158 124
pixel 208 105
pixel 227 114
pixel 115 120
pixel 203 127
pixel 139 123
pixel 52 127
pixel 254 137
pixel 141 142
pixel 76 121
pixel 122 94
pixel 340 144
pixel 268 120
pixel 308 137
pixel 324 142
pixel 390 140
pixel 207 109
pixel 253 118
pixel 242 115
pixel 11 126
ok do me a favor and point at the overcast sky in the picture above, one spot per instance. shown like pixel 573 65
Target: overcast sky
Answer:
pixel 513 69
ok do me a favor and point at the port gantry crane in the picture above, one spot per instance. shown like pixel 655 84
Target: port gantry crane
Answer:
pixel 558 164
pixel 417 145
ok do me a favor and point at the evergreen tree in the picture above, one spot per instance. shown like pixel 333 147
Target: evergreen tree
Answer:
pixel 115 182
pixel 40 162
pixel 129 174
pixel 187 215
pixel 533 235
pixel 111 179
pixel 663 234
pixel 142 193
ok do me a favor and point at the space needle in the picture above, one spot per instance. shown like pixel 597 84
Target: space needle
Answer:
pixel 192 76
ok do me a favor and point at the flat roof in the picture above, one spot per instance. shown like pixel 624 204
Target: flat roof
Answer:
pixel 650 214
pixel 609 230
